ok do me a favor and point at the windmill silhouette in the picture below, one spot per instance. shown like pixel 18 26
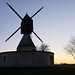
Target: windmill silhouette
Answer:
pixel 26 43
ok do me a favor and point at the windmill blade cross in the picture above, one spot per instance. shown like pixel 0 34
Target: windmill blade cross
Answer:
pixel 21 19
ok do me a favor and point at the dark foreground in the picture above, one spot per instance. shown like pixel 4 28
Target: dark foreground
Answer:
pixel 39 71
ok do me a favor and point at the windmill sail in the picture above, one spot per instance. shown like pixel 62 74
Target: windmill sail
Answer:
pixel 15 11
pixel 21 19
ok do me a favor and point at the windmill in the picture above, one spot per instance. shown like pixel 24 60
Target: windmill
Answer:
pixel 26 43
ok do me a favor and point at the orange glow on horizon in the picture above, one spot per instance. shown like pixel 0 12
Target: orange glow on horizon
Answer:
pixel 63 58
pixel 67 61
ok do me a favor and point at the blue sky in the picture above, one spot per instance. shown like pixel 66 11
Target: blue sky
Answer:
pixel 55 24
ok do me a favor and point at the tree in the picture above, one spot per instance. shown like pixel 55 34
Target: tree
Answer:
pixel 70 47
pixel 44 47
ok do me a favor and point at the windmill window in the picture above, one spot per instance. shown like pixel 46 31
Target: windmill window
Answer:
pixel 4 59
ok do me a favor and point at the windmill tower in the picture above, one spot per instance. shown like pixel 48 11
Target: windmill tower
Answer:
pixel 26 43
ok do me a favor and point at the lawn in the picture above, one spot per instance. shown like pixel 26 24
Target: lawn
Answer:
pixel 39 71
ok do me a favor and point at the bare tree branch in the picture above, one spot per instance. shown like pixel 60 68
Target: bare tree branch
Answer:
pixel 70 47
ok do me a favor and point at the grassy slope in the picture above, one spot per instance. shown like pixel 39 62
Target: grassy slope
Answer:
pixel 39 71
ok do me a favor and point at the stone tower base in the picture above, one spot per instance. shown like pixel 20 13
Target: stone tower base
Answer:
pixel 26 59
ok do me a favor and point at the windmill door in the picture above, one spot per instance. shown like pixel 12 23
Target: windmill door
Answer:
pixel 50 60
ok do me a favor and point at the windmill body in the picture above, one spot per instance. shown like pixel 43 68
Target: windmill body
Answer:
pixel 26 43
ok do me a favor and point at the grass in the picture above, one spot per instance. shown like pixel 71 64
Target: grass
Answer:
pixel 39 71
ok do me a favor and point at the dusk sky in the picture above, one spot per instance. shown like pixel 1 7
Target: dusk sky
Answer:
pixel 55 24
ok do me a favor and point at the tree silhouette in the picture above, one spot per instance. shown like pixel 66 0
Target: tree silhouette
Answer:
pixel 70 47
pixel 44 47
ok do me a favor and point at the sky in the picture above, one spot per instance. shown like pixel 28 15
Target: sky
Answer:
pixel 54 24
